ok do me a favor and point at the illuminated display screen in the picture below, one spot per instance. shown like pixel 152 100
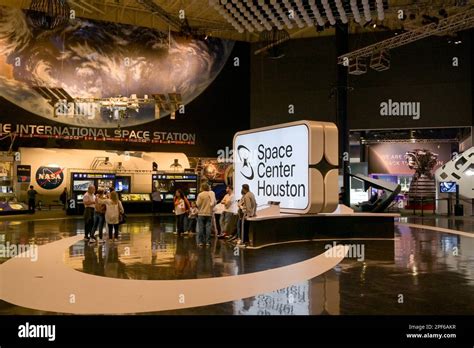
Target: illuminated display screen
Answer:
pixel 93 176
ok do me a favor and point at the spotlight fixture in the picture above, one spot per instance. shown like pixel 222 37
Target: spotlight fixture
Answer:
pixel 367 23
pixel 380 61
pixel 260 15
pixel 357 66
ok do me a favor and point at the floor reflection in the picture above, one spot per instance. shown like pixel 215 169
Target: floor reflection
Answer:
pixel 419 272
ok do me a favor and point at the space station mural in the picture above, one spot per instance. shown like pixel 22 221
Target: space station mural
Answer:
pixel 104 75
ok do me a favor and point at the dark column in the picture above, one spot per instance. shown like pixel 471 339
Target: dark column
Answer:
pixel 342 47
pixel 471 43
pixel 363 147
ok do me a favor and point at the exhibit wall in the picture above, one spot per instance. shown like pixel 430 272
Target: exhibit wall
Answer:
pixel 431 75
pixel 51 168
pixel 390 158
pixel 91 61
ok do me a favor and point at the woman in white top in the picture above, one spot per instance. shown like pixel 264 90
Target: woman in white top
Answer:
pixel 229 216
pixel 181 207
pixel 112 213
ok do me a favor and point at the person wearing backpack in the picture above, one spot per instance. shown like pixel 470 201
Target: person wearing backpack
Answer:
pixel 206 200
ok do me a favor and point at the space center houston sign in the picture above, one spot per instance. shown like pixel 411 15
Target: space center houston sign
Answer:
pixel 293 163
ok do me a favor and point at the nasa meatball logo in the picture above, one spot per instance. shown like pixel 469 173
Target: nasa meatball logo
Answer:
pixel 49 178
pixel 244 157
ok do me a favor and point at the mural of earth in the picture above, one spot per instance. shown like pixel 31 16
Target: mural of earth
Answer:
pixel 91 59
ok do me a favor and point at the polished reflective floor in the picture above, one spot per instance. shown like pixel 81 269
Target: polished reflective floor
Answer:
pixel 421 271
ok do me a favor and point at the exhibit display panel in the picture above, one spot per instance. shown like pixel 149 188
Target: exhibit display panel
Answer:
pixel 81 181
pixel 294 164
pixel 6 176
pixel 167 184
pixel 127 171
pixel 135 197
pixel 456 176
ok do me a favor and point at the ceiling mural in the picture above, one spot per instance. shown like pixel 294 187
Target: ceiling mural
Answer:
pixel 89 62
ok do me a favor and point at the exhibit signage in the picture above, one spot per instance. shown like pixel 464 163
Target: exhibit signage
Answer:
pixel 281 164
pixel 275 163
pixel 390 158
pixel 49 178
pixel 96 134
pixel 23 173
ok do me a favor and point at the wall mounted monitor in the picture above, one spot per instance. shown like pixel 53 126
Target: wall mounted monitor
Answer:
pixel 447 187
pixel 81 185
pixel 122 184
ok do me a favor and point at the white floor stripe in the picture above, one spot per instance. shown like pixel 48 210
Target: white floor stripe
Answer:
pixel 50 285
pixel 438 229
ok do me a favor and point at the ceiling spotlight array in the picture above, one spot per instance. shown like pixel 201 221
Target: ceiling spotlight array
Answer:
pixel 366 5
pixel 380 12
pixel 317 14
pixel 355 11
pixel 260 15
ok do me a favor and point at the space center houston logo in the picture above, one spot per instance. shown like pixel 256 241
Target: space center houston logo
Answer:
pixel 49 178
pixel 274 163
pixel 244 156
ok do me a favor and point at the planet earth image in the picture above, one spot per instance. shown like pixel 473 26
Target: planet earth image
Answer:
pixel 93 59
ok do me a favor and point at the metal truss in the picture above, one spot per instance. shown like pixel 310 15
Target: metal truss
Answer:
pixel 458 22
pixel 158 11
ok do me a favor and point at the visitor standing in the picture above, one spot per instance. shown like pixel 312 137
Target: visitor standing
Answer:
pixel 206 200
pixel 99 215
pixel 113 214
pixel 192 218
pixel 247 208
pixel 181 207
pixel 32 199
pixel 63 198
pixel 229 215
pixel 156 200
pixel 89 208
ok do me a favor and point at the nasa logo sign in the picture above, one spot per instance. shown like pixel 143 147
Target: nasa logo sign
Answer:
pixel 49 178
